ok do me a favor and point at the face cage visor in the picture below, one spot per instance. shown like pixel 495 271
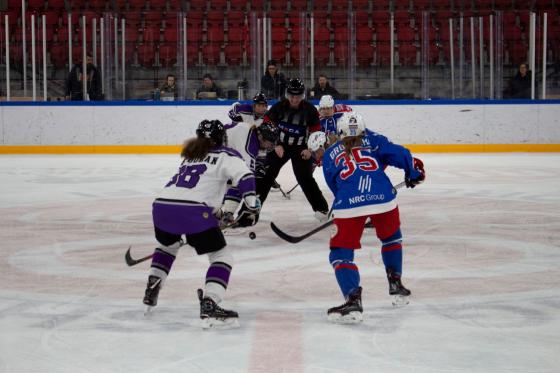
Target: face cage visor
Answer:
pixel 300 96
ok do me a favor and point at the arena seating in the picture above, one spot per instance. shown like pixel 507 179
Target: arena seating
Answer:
pixel 217 30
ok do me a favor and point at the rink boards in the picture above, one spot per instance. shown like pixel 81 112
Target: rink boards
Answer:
pixel 148 127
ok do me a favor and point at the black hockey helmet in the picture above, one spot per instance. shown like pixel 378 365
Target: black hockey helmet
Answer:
pixel 268 131
pixel 212 129
pixel 260 98
pixel 295 87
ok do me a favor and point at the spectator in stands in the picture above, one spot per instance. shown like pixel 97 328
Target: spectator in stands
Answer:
pixel 209 89
pixel 322 88
pixel 520 84
pixel 169 91
pixel 273 83
pixel 74 88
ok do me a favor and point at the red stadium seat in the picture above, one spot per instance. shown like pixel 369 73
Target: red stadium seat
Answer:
pixel 364 54
pixel 299 5
pixel 52 17
pixel 151 34
pixel 234 54
pixel 171 34
pixel 35 5
pixel 159 5
pixel 364 34
pixel 322 54
pixel 197 5
pixel 153 17
pixel 59 55
pixel 407 54
pixel 215 35
pixel 146 55
pixel 211 54
pixel 168 54
pixel 215 18
pixel 235 18
pixel 406 34
pixel 55 4
pixel 238 5
pixel 219 5
pixel 136 5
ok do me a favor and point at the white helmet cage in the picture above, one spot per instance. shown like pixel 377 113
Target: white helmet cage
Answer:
pixel 350 124
pixel 326 102
pixel 316 141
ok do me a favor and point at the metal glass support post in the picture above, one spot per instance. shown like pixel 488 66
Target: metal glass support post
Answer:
pixel 491 57
pixel 392 51
pixel 33 66
pixel 44 29
pixel 24 46
pixel 452 58
pixel 102 48
pixel 481 55
pixel 532 67
pixel 545 26
pixel 123 60
pixel 7 35
pixel 473 59
pixel 84 62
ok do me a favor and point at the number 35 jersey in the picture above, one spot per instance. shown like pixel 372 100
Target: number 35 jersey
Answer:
pixel 358 180
pixel 205 181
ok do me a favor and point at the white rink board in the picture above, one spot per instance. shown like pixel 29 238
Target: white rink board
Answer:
pixel 170 125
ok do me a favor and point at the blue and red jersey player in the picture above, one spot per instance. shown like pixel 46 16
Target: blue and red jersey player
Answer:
pixel 354 171
pixel 330 114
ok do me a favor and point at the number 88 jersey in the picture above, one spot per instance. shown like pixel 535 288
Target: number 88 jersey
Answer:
pixel 205 181
pixel 358 180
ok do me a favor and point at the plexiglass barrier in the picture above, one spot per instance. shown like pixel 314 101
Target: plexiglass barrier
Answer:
pixel 207 51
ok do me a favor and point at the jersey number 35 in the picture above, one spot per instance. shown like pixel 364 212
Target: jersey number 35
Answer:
pixel 356 160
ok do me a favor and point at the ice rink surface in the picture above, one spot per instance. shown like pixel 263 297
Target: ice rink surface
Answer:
pixel 481 257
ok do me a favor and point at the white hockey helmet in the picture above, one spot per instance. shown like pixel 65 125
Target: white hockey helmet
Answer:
pixel 326 102
pixel 350 124
pixel 316 141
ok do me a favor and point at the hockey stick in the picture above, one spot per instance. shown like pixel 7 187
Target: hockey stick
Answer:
pixel 295 239
pixel 130 261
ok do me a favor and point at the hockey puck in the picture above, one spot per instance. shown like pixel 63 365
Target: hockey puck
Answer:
pixel 252 235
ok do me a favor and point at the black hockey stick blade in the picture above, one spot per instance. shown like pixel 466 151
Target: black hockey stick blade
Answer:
pixel 295 239
pixel 130 261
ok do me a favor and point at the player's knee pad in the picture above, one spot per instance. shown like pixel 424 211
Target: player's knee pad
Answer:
pixel 223 256
pixel 339 255
pixel 395 238
pixel 171 249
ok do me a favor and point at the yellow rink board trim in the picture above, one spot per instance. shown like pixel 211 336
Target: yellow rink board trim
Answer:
pixel 175 149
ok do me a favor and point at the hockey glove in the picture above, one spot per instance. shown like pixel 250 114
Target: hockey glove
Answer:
pixel 226 220
pixel 249 213
pixel 417 176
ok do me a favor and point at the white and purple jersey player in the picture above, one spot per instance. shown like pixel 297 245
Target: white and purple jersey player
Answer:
pixel 252 113
pixel 190 199
pixel 253 143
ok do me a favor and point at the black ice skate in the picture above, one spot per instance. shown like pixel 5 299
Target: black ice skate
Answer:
pixel 399 293
pixel 350 312
pixel 152 292
pixel 214 316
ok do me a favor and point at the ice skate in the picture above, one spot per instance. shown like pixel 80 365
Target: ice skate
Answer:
pixel 151 294
pixel 215 317
pixel 399 293
pixel 350 312
pixel 322 216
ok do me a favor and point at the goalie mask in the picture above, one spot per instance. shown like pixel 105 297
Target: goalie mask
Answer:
pixel 350 124
pixel 212 129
